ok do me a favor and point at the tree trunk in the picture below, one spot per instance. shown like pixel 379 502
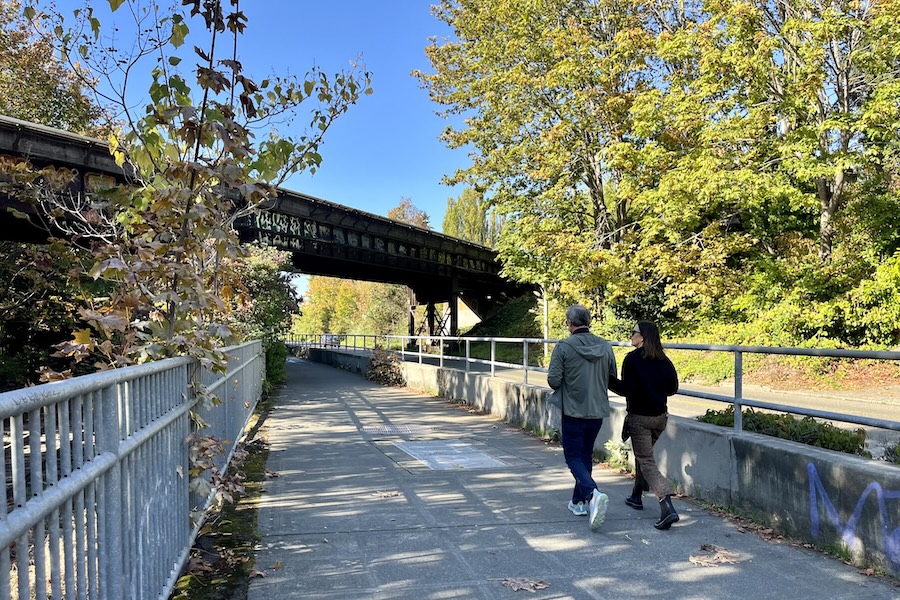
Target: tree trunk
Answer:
pixel 831 196
pixel 598 200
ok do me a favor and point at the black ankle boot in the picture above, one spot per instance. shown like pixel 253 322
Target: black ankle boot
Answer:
pixel 635 502
pixel 667 514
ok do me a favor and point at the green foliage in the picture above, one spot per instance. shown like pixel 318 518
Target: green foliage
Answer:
pixel 469 217
pixel 806 430
pixel 516 318
pixel 840 551
pixel 676 162
pixel 35 85
pixel 342 306
pixel 39 307
pixel 617 455
pixel 276 370
pixel 260 304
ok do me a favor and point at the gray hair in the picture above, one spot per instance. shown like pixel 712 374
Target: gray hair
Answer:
pixel 578 316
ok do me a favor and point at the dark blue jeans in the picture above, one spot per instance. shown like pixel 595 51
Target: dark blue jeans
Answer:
pixel 578 436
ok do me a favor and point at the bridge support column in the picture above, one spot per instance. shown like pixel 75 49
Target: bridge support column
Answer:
pixel 430 315
pixel 411 312
pixel 454 306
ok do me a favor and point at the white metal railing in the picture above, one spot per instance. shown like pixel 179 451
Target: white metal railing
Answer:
pixel 97 482
pixel 448 351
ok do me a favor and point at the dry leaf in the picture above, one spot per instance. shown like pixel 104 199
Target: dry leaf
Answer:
pixel 277 565
pixel 714 557
pixel 529 585
pixel 386 494
pixel 256 573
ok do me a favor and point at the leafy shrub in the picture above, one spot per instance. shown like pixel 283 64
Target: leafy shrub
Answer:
pixel 617 455
pixel 806 430
pixel 276 357
pixel 384 368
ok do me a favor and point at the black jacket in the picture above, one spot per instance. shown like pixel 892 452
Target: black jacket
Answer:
pixel 645 383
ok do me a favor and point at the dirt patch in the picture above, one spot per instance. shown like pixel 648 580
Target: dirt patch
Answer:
pixel 822 374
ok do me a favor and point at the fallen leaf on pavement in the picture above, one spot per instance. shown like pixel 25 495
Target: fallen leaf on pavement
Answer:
pixel 254 574
pixel 714 556
pixel 529 585
pixel 277 565
pixel 386 494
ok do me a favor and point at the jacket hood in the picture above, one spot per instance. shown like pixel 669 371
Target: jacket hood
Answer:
pixel 588 346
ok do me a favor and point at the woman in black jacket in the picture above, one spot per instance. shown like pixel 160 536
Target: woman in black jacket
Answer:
pixel 648 379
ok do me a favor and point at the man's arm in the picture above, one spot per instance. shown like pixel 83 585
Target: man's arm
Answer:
pixel 555 370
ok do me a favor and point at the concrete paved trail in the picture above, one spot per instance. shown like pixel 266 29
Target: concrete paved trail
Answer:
pixel 385 493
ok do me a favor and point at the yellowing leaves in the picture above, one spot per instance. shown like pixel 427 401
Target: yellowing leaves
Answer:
pixel 82 336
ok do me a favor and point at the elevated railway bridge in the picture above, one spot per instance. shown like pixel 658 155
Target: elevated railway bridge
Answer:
pixel 324 238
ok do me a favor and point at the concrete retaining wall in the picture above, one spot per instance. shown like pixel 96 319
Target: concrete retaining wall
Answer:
pixel 830 499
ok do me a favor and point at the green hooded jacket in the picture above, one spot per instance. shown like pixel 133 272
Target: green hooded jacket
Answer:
pixel 579 372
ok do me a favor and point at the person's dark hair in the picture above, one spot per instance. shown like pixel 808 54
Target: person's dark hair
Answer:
pixel 578 316
pixel 652 347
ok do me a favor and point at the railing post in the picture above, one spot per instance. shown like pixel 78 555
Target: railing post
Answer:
pixel 112 569
pixel 419 341
pixel 441 344
pixel 738 390
pixel 525 360
pixel 468 344
pixel 493 357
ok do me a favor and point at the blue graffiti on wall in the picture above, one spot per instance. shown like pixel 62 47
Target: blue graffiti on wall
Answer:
pixel 891 538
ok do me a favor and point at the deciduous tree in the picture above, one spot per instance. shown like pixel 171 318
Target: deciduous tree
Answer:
pixel 469 217
pixel 196 165
pixel 407 212
pixel 35 85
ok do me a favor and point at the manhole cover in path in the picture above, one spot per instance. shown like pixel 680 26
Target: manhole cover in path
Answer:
pixel 394 429
pixel 444 455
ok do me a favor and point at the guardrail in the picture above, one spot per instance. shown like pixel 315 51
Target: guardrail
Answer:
pixel 445 349
pixel 97 482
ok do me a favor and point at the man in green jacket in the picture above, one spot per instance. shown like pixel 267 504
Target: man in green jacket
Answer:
pixel 580 368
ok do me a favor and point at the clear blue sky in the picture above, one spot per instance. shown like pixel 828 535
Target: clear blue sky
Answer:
pixel 386 147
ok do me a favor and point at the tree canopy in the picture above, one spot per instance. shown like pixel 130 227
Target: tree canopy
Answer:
pixel 469 217
pixel 35 85
pixel 696 163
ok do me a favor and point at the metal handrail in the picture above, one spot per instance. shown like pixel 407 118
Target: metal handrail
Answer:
pixel 737 400
pixel 93 458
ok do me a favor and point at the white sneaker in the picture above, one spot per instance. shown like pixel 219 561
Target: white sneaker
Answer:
pixel 598 503
pixel 578 509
